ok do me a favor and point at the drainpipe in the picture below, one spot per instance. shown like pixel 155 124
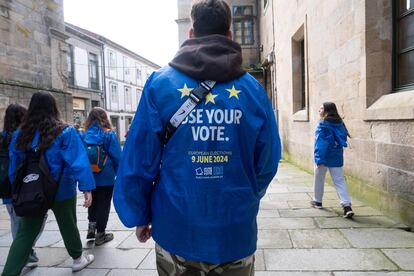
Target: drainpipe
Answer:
pixel 258 33
pixel 103 76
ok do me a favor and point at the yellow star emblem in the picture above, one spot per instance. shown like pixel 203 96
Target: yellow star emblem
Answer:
pixel 185 91
pixel 210 98
pixel 234 92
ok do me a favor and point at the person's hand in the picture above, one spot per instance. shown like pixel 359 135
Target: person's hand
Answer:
pixel 88 199
pixel 319 166
pixel 143 233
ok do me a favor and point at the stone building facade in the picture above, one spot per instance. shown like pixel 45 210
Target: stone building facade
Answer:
pixel 33 52
pixel 86 80
pixel 360 55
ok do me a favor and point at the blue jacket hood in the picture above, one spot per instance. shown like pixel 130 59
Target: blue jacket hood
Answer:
pixel 94 135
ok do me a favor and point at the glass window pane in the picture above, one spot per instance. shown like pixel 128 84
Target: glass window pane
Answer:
pixel 237 11
pixel 248 10
pixel 406 32
pixel 406 69
pixel 406 5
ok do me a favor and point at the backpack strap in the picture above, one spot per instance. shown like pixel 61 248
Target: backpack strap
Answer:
pixel 196 96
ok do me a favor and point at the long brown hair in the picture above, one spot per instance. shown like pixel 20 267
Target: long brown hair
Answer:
pixel 98 115
pixel 43 116
pixel 13 117
pixel 12 120
pixel 330 113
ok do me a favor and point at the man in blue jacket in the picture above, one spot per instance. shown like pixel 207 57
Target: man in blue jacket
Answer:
pixel 198 195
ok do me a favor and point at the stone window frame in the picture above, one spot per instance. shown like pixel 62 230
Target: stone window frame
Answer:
pixel 382 101
pixel 71 57
pixel 93 59
pixel 243 18
pixel 300 75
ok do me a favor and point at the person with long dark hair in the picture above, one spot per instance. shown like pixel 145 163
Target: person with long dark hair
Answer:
pixel 330 139
pixel 99 133
pixel 12 119
pixel 43 131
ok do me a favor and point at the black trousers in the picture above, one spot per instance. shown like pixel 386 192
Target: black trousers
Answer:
pixel 101 205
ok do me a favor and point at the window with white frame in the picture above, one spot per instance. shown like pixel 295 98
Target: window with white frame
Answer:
pixel 93 71
pixel 243 21
pixel 112 59
pixel 126 68
pixel 128 96
pixel 138 74
pixel 70 63
pixel 114 93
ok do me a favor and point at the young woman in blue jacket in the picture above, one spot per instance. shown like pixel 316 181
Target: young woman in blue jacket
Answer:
pixel 12 119
pixel 98 131
pixel 43 130
pixel 330 139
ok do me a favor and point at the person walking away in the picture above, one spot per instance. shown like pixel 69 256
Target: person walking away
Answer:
pixel 104 151
pixel 13 117
pixel 330 139
pixel 198 193
pixel 43 131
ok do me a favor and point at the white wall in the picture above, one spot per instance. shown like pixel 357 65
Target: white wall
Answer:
pixel 122 108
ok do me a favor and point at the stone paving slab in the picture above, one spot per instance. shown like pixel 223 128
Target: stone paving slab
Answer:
pixel 304 213
pixel 289 273
pixel 379 238
pixel 404 258
pixel 268 214
pixel 326 259
pixel 285 223
pixel 377 273
pixel 131 272
pixel 266 205
pixel 3 255
pixel 149 262
pixel 273 239
pixel 119 237
pixel 132 242
pixel 290 196
pixel 356 222
pixel 114 258
pixel 363 211
pixel 318 238
pixel 5 225
pixel 259 263
pixel 53 271
pixel 52 256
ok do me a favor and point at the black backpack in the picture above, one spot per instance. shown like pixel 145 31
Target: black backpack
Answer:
pixel 34 189
pixel 5 186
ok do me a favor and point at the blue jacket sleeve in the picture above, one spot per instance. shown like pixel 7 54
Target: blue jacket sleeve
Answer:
pixel 74 154
pixel 140 163
pixel 321 145
pixel 114 150
pixel 267 152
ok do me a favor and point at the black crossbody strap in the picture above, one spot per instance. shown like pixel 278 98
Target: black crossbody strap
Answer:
pixel 196 96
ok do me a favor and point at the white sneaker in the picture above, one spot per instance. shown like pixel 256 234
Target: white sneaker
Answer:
pixel 82 262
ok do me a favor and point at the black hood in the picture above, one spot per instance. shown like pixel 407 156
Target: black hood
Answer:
pixel 212 57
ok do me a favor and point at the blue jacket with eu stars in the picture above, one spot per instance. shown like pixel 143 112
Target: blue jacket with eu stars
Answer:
pixel 200 191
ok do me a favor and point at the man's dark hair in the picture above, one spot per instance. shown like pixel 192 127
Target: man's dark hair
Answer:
pixel 210 17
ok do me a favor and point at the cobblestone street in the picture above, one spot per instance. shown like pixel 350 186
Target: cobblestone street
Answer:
pixel 294 239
